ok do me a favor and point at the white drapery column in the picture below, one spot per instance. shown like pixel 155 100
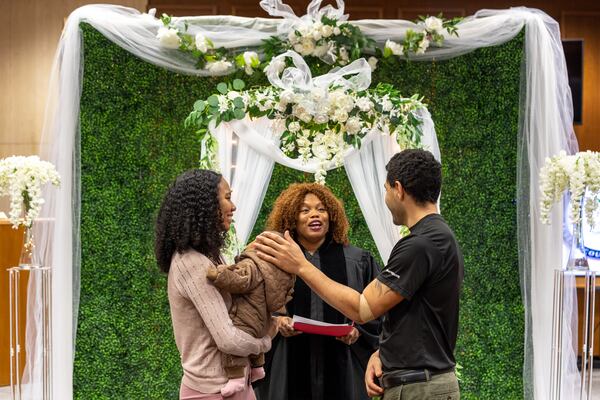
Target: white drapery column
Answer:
pixel 247 171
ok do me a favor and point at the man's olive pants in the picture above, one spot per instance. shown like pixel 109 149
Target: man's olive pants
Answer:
pixel 440 387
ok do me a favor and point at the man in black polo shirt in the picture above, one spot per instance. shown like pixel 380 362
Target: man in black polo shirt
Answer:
pixel 417 292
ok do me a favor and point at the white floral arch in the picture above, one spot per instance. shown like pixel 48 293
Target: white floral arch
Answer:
pixel 545 129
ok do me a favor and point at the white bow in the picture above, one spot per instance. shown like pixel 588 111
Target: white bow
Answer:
pixel 299 77
pixel 276 8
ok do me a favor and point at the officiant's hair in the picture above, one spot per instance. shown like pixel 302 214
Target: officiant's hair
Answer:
pixel 190 218
pixel 419 173
pixel 285 210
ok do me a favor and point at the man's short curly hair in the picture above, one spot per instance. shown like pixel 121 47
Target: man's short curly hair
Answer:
pixel 190 218
pixel 419 173
pixel 287 206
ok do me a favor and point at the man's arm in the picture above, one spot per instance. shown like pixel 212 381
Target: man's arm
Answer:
pixel 286 254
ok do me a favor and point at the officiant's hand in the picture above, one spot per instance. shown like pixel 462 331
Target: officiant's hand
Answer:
pixel 350 338
pixel 285 326
pixel 282 252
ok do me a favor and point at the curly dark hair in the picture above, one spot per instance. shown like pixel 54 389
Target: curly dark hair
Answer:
pixel 287 206
pixel 190 218
pixel 419 173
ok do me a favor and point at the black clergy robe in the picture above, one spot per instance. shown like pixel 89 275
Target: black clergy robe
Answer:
pixel 315 367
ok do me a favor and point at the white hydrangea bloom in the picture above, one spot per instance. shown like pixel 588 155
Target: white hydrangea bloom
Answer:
pixel 433 24
pixel 201 43
pixel 168 37
pixel 395 48
pixel 218 67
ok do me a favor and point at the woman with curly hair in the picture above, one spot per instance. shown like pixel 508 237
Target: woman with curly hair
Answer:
pixel 313 367
pixel 192 224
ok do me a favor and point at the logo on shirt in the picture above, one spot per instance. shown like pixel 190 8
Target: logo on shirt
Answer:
pixel 395 275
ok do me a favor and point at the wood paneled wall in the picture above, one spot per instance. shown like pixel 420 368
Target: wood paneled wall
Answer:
pixel 10 246
pixel 29 33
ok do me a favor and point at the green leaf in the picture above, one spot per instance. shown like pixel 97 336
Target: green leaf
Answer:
pixel 200 105
pixel 213 101
pixel 238 84
pixel 238 113
pixel 387 52
pixel 238 102
pixel 222 88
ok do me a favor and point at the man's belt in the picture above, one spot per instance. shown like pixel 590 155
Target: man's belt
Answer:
pixel 404 376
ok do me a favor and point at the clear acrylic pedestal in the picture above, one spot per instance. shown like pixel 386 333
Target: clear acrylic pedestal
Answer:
pixel 587 345
pixel 42 278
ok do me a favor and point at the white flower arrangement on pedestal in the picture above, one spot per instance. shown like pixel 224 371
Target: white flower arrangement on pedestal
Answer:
pixel 320 117
pixel 22 178
pixel 580 175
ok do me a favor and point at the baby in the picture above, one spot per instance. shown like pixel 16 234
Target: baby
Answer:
pixel 258 288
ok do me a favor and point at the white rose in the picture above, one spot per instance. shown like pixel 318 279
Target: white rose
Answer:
pixel 326 30
pixel 395 48
pixel 320 151
pixel 316 34
pixel 276 66
pixel 294 127
pixel 423 45
pixel 287 96
pixel 373 63
pixel 308 46
pixel 434 24
pixel 336 31
pixel 340 116
pixel 168 37
pixel 298 48
pixel 251 58
pixel 201 43
pixel 321 118
pixel 306 117
pixel 317 25
pixel 353 125
pixel 364 104
pixel 218 67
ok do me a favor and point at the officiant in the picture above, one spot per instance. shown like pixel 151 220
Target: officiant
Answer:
pixel 313 367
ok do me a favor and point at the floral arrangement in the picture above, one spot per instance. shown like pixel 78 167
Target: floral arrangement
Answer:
pixel 22 178
pixel 318 121
pixel 217 61
pixel 433 31
pixel 323 34
pixel 332 41
pixel 574 173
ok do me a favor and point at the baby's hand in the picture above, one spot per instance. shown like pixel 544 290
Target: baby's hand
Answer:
pixel 212 273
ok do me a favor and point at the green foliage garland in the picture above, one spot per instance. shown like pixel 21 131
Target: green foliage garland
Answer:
pixel 133 143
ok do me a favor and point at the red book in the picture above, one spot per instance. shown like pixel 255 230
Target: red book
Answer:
pixel 313 326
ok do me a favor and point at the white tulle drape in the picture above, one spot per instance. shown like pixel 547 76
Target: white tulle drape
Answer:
pixel 248 172
pixel 545 129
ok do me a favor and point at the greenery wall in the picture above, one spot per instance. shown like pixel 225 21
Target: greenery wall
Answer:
pixel 133 144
